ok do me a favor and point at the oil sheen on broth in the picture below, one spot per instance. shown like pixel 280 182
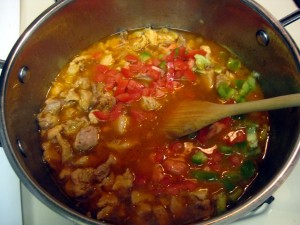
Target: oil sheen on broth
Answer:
pixel 100 129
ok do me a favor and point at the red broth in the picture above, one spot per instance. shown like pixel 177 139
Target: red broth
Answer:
pixel 100 129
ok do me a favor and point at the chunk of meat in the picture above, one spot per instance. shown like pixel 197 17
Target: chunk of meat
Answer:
pixel 47 120
pixel 161 214
pixel 52 106
pixel 81 181
pixel 106 102
pixel 149 103
pixel 142 209
pixel 123 181
pixel 86 138
pixel 177 206
pixel 85 99
pixel 151 36
pixel 77 64
pixel 72 126
pixel 52 157
pixel 106 203
pixel 176 166
pixel 66 150
pixel 102 171
pixel 72 95
pixel 82 83
pixel 53 132
pixel 139 196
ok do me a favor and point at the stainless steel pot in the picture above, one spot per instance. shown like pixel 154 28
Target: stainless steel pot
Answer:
pixel 70 26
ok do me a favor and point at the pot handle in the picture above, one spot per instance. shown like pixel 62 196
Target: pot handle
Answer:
pixel 290 18
pixel 1 64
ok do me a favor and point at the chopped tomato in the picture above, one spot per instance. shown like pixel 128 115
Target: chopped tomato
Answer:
pixel 134 87
pixel 124 97
pixel 175 188
pixel 235 159
pixel 234 137
pixel 102 68
pixel 176 146
pixel 154 74
pixel 110 83
pixel 127 73
pixel 131 58
pixel 121 87
pixel 192 53
pixel 116 111
pixel 180 65
pixel 99 77
pixel 103 116
pixel 190 75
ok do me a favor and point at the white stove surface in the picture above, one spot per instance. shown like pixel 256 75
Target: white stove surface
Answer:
pixel 19 207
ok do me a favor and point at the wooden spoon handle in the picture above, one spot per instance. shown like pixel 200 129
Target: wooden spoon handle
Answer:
pixel 280 102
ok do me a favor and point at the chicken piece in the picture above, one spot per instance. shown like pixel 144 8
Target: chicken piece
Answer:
pixel 66 150
pixel 121 124
pixel 52 132
pixel 149 103
pixel 86 138
pixel 123 181
pixel 82 161
pixel 72 95
pixel 72 126
pixel 142 209
pixel 65 173
pixel 177 206
pixel 137 41
pixel 138 197
pixel 53 106
pixel 106 102
pixel 107 60
pixel 161 214
pixel 76 65
pixel 92 118
pixel 166 37
pixel 106 203
pixel 47 120
pixel 102 171
pixel 151 35
pixel 82 83
pixel 176 166
pixel 82 181
pixel 121 145
pixel 50 155
pixel 85 99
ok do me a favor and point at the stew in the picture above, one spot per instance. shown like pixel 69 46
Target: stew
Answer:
pixel 100 129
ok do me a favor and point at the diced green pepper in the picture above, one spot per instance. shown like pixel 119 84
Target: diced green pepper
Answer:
pixel 252 137
pixel 233 64
pixel 228 184
pixel 225 91
pixel 235 194
pixel 227 150
pixel 221 202
pixel 201 61
pixel 144 56
pixel 248 86
pixel 202 175
pixel 163 65
pixel 199 158
pixel 247 169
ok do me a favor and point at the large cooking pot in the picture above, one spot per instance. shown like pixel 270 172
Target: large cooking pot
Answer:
pixel 70 26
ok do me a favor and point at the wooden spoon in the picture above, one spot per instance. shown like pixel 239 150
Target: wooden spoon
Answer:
pixel 190 116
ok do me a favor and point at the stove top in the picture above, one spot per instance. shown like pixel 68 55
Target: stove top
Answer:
pixel 19 207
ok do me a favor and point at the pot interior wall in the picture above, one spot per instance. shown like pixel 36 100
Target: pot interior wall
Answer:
pixel 72 26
